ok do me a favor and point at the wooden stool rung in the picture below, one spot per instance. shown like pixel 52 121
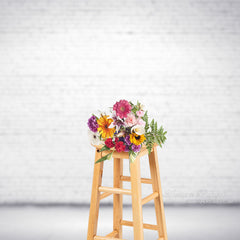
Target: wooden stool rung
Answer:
pixel 104 195
pixel 106 238
pixel 161 239
pixel 115 190
pixel 143 180
pixel 112 234
pixel 149 198
pixel 145 225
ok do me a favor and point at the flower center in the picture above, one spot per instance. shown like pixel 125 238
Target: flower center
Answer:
pixel 106 126
pixel 137 137
pixel 94 136
pixel 122 109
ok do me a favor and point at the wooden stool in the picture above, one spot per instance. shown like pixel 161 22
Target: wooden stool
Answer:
pixel 135 192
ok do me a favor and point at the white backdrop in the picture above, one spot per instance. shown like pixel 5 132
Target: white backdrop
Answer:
pixel 62 60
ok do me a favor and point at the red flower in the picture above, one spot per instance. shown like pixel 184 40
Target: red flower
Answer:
pixel 109 143
pixel 120 147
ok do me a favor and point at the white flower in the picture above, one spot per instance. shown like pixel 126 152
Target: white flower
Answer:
pixel 120 134
pixel 142 107
pixel 138 129
pixel 94 138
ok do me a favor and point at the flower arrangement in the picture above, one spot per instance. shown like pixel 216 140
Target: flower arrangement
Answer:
pixel 127 130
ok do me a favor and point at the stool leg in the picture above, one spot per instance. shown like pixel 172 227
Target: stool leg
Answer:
pixel 136 199
pixel 156 184
pixel 95 198
pixel 117 198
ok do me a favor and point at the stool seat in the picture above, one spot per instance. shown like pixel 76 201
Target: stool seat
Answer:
pixel 124 155
pixel 100 192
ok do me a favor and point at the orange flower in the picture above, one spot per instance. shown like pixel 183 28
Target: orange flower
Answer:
pixel 103 127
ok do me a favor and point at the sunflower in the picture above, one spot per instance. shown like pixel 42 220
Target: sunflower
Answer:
pixel 137 139
pixel 103 126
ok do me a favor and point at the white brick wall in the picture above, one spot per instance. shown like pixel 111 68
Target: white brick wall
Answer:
pixel 62 60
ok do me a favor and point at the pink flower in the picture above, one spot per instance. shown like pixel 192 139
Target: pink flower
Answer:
pixel 141 122
pixel 130 120
pixel 140 113
pixel 122 108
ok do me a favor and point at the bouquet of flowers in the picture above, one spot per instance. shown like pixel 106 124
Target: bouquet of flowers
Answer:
pixel 127 130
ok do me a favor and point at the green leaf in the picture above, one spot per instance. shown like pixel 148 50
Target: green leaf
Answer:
pixel 152 125
pixel 134 109
pixel 104 148
pixel 158 140
pixel 109 156
pixel 131 104
pixel 132 156
pixel 149 147
pixel 155 127
pixel 145 119
pixel 106 157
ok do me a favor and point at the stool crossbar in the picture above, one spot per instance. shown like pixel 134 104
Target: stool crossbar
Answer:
pixel 100 192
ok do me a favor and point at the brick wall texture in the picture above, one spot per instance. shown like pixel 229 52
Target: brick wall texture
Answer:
pixel 60 61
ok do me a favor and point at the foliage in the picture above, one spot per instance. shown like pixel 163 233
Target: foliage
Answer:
pixel 106 157
pixel 128 129
pixel 153 134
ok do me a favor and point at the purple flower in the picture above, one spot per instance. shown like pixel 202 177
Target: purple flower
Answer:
pixel 127 140
pixel 126 148
pixel 92 124
pixel 117 121
pixel 136 148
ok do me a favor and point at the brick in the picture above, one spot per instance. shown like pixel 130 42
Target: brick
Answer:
pixel 62 60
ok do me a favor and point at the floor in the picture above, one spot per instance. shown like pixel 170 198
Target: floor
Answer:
pixel 70 223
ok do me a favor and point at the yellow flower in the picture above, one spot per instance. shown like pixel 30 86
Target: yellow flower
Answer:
pixel 103 127
pixel 137 139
